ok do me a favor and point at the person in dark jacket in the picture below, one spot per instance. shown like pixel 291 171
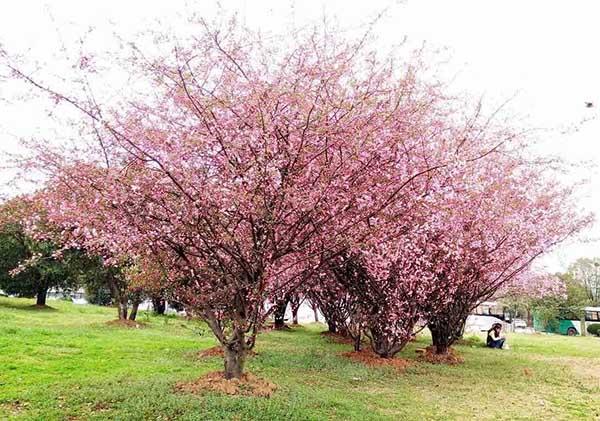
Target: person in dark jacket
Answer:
pixel 494 340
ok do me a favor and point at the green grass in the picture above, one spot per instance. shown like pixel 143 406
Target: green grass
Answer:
pixel 67 364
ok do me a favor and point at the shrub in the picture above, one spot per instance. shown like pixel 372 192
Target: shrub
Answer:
pixel 594 329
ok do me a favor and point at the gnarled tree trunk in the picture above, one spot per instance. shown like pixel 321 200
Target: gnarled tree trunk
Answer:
pixel 331 326
pixel 235 345
pixel 445 332
pixel 295 303
pixel 134 310
pixel 159 305
pixel 122 309
pixel 279 313
pixel 120 297
pixel 384 346
pixel 235 357
pixel 315 310
pixel 357 342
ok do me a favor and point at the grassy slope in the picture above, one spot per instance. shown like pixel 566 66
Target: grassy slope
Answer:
pixel 67 364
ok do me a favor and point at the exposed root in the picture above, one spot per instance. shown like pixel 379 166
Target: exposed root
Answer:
pixel 371 359
pixel 248 385
pixel 429 355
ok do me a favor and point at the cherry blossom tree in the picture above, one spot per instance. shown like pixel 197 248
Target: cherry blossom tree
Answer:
pixel 243 168
pixel 511 214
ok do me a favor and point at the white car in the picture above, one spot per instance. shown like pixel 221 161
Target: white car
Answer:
pixel 480 323
pixel 519 324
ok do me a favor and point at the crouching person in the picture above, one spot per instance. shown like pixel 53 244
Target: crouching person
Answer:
pixel 494 340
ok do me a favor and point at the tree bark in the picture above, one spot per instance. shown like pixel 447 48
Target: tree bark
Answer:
pixel 442 349
pixel 158 305
pixel 357 342
pixel 383 346
pixel 120 297
pixel 279 314
pixel 295 303
pixel 234 352
pixel 122 309
pixel 41 296
pixel 331 326
pixel 439 338
pixel 234 362
pixel 315 311
pixel 134 310
pixel 444 334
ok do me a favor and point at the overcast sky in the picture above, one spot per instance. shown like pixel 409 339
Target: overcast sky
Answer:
pixel 545 52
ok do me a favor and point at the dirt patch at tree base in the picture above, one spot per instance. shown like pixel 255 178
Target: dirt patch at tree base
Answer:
pixel 428 355
pixel 337 338
pixel 125 323
pixel 217 351
pixel 373 360
pixel 269 327
pixel 248 385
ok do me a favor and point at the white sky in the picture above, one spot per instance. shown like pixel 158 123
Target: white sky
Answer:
pixel 545 51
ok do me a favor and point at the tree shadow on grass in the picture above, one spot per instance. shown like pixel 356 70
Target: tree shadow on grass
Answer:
pixel 27 307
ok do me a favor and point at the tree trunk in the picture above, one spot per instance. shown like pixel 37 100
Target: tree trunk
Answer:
pixel 134 310
pixel 442 349
pixel 441 337
pixel 41 296
pixel 120 297
pixel 158 305
pixel 445 332
pixel 234 362
pixel 234 352
pixel 122 309
pixel 295 303
pixel 234 347
pixel 357 342
pixel 279 314
pixel 331 326
pixel 315 311
pixel 384 346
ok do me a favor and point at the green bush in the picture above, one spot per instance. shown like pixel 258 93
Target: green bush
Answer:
pixel 594 329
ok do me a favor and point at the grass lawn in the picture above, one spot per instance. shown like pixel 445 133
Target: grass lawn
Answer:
pixel 67 364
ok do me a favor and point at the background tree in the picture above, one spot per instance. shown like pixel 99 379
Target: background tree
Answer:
pixel 586 271
pixel 30 267
pixel 531 290
pixel 549 308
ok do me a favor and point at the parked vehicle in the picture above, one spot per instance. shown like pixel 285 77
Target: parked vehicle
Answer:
pixel 482 323
pixel 569 326
pixel 519 324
